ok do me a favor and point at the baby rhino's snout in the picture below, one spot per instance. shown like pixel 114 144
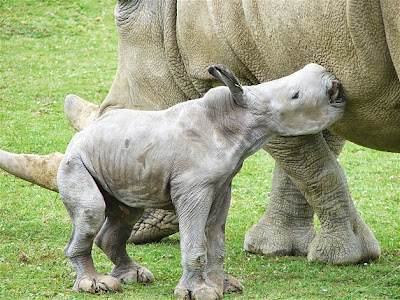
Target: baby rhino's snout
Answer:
pixel 334 88
pixel 335 93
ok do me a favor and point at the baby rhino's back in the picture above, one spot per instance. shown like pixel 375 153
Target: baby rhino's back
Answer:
pixel 127 154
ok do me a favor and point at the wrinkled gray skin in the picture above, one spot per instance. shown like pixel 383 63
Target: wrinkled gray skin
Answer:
pixel 181 158
pixel 261 40
pixel 164 48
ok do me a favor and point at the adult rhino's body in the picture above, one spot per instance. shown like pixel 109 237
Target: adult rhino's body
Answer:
pixel 261 40
pixel 164 47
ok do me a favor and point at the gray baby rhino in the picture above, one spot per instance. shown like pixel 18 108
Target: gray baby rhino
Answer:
pixel 181 158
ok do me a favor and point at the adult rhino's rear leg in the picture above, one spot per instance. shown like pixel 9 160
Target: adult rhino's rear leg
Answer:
pixel 344 238
pixel 154 225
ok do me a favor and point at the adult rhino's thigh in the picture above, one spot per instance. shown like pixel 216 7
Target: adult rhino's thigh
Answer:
pixel 154 225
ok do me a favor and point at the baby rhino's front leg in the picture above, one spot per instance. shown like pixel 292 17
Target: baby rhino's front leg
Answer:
pixel 193 211
pixel 202 225
pixel 215 235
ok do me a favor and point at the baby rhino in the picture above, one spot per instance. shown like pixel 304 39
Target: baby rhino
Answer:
pixel 182 158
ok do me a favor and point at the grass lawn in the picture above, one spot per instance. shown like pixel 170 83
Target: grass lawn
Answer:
pixel 49 49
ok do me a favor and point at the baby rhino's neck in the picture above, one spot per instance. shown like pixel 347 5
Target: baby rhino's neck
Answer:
pixel 244 130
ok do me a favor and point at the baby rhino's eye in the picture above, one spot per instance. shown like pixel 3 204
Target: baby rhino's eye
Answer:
pixel 295 95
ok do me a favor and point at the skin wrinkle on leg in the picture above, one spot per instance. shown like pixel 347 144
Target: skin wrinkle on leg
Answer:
pixel 315 168
pixel 317 180
pixel 287 227
pixel 193 219
pixel 329 196
pixel 277 233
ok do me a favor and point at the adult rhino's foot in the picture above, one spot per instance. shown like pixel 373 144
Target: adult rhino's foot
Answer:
pixel 154 225
pixel 277 235
pixel 133 273
pixel 197 285
pixel 97 284
pixel 355 244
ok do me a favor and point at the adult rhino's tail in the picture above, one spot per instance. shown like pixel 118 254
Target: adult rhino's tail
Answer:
pixel 40 170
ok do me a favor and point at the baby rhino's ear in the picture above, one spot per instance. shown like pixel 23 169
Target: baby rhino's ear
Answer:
pixel 223 74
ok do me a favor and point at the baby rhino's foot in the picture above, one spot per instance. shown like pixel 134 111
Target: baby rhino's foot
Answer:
pixel 137 273
pixel 97 284
pixel 202 291
pixel 232 285
pixel 225 283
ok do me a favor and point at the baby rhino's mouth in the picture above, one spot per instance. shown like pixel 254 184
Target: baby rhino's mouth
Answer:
pixel 336 94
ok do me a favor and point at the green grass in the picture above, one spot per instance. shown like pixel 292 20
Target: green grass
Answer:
pixel 52 48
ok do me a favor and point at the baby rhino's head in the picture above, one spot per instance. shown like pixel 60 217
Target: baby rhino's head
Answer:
pixel 304 102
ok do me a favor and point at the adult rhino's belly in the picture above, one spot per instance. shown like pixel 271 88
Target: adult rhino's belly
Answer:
pixel 373 121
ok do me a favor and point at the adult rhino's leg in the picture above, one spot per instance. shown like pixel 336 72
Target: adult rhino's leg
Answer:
pixel 313 168
pixel 154 225
pixel 369 245
pixel 287 227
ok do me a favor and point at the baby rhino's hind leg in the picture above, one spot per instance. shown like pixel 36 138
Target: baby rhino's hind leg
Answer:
pixel 112 240
pixel 86 207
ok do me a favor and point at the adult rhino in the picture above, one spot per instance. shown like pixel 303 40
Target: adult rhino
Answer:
pixel 164 48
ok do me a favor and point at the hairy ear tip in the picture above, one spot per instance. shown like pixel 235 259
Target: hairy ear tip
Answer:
pixel 217 67
pixel 211 68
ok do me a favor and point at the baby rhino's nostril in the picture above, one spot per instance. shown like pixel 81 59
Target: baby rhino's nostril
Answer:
pixel 336 94
pixel 334 91
pixel 333 88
